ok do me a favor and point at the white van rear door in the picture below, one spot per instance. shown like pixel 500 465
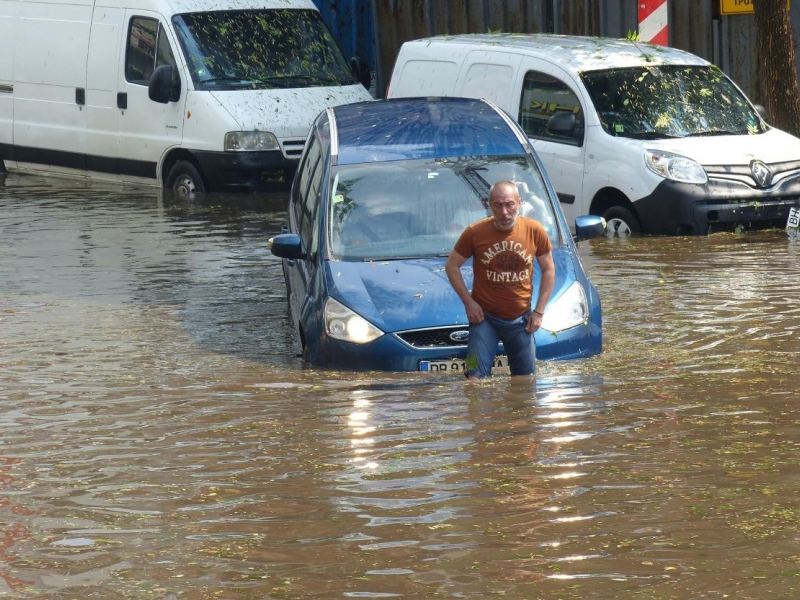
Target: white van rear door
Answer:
pixel 146 129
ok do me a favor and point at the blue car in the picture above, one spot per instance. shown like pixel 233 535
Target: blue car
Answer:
pixel 382 192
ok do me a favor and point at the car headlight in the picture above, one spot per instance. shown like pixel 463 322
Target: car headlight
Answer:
pixel 675 167
pixel 250 141
pixel 569 310
pixel 341 323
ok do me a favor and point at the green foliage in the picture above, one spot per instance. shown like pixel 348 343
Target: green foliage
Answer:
pixel 633 36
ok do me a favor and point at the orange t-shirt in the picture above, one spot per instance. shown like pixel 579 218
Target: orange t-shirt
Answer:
pixel 503 263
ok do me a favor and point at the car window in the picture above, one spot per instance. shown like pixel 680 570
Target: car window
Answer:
pixel 408 209
pixel 147 49
pixel 543 96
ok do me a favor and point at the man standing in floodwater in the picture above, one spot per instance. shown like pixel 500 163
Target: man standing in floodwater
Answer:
pixel 503 247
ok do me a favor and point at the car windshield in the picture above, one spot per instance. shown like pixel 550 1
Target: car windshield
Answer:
pixel 260 49
pixel 670 101
pixel 417 209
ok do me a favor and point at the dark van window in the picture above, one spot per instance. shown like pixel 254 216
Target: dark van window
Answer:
pixel 147 49
pixel 542 97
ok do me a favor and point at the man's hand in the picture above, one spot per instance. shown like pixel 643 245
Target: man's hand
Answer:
pixel 534 322
pixel 474 311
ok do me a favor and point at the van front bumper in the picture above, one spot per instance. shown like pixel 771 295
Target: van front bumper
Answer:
pixel 685 209
pixel 243 171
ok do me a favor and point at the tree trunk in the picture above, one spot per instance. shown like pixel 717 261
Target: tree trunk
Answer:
pixel 778 79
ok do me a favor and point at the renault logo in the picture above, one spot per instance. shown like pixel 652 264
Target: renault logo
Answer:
pixel 460 336
pixel 761 173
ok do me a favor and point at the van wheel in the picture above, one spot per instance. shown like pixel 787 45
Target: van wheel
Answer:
pixel 620 222
pixel 185 180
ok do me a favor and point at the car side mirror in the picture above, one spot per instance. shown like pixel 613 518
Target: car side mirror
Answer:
pixel 361 71
pixel 164 85
pixel 588 227
pixel 287 245
pixel 762 111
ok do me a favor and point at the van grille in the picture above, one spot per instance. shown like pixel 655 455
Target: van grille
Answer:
pixel 293 148
pixel 432 338
pixel 743 173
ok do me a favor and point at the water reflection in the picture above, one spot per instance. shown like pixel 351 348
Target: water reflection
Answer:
pixel 161 438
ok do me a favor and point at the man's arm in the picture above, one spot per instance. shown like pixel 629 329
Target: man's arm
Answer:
pixel 548 270
pixel 453 269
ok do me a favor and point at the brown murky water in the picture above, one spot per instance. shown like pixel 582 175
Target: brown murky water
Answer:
pixel 159 438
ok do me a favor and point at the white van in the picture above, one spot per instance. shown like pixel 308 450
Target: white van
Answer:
pixel 192 95
pixel 654 139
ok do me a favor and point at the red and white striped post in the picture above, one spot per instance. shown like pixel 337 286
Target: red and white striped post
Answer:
pixel 653 21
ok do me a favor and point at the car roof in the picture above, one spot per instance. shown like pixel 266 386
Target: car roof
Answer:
pixel 424 128
pixel 574 53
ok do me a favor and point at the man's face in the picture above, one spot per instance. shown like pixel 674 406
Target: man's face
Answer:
pixel 505 207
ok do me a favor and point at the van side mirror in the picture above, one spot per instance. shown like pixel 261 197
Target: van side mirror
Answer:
pixel 164 85
pixel 762 111
pixel 361 71
pixel 563 123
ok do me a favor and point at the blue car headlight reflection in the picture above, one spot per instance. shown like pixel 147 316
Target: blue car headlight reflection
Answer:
pixel 343 324
pixel 569 310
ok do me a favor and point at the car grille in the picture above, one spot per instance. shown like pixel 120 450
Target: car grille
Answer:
pixel 438 337
pixel 293 148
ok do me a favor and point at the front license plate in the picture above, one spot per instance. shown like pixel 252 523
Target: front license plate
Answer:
pixel 793 222
pixel 455 365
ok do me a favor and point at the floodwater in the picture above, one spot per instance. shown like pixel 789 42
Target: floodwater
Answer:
pixel 160 438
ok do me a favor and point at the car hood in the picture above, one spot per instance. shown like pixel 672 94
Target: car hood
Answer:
pixel 286 113
pixel 770 147
pixel 409 294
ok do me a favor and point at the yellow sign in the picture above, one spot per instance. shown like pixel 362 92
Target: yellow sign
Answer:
pixel 738 7
pixel 735 7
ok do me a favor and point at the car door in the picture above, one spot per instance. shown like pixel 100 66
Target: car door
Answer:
pixel 146 129
pixel 303 220
pixel 543 94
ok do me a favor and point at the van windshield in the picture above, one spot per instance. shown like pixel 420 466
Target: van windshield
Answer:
pixel 418 208
pixel 260 49
pixel 670 101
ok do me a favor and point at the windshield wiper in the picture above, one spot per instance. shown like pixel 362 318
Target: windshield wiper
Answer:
pixel 285 81
pixel 226 80
pixel 711 132
pixel 649 135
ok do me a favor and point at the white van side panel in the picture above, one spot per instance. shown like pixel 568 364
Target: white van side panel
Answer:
pixel 490 75
pixel 435 77
pixel 8 17
pixel 46 114
pixel 101 81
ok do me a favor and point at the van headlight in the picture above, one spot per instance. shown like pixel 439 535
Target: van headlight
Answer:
pixel 675 167
pixel 250 141
pixel 569 310
pixel 341 323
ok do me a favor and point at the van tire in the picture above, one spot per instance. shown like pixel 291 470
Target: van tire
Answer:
pixel 620 222
pixel 185 180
